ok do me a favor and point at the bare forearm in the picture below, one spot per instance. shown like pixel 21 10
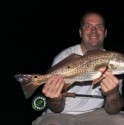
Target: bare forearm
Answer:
pixel 113 103
pixel 56 105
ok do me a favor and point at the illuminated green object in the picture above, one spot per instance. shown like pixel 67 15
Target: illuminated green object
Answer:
pixel 39 103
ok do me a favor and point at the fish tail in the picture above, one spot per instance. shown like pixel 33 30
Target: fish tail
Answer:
pixel 28 83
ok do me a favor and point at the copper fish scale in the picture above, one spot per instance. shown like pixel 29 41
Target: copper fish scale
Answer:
pixel 84 65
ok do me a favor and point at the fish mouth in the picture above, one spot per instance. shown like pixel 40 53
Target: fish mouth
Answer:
pixel 27 83
pixel 22 77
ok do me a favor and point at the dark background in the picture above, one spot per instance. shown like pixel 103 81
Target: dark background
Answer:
pixel 32 33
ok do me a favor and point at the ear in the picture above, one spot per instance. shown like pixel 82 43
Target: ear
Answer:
pixel 80 33
pixel 105 33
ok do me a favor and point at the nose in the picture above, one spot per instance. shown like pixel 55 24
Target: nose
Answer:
pixel 93 29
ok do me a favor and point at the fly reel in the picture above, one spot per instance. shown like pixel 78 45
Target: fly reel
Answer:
pixel 39 103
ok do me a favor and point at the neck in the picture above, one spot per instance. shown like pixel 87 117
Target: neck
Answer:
pixel 86 48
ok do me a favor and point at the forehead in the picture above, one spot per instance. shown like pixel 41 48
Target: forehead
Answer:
pixel 93 18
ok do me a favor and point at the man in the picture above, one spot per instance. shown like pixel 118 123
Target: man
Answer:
pixel 84 110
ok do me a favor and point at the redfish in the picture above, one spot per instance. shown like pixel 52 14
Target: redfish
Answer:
pixel 76 68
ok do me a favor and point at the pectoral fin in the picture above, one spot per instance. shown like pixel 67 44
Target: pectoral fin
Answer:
pixel 66 85
pixel 101 77
pixel 98 80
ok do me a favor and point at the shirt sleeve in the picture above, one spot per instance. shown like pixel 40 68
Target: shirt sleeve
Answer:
pixel 66 52
pixel 62 55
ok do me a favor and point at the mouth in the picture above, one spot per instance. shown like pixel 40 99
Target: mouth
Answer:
pixel 93 36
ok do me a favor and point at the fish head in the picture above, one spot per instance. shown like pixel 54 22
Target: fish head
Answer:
pixel 116 64
pixel 27 82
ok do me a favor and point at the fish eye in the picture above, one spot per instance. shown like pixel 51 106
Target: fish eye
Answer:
pixel 35 76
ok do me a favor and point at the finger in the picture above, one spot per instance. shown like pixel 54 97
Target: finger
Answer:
pixel 108 84
pixel 48 89
pixel 112 78
pixel 108 73
pixel 104 88
pixel 58 89
pixel 49 83
pixel 53 86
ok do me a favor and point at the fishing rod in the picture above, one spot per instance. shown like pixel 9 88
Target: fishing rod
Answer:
pixel 39 102
pixel 80 95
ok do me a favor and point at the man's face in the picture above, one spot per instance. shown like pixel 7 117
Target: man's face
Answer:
pixel 93 31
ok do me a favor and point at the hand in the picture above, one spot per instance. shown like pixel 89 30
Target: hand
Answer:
pixel 53 87
pixel 110 83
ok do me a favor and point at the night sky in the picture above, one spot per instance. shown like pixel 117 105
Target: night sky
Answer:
pixel 33 32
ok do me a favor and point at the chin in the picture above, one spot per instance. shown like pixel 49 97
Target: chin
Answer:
pixel 95 48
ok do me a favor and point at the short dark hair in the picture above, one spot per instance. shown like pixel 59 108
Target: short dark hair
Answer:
pixel 91 12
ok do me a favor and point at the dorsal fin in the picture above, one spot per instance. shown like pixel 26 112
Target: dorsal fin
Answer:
pixel 68 59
